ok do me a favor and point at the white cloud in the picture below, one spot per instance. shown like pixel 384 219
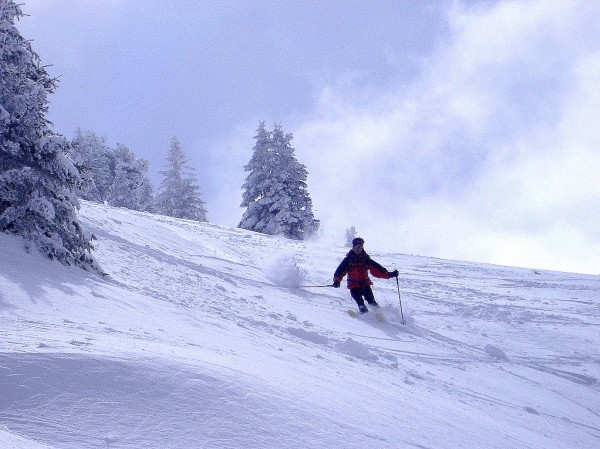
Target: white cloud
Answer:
pixel 490 155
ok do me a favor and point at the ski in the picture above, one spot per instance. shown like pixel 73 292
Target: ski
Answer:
pixel 354 314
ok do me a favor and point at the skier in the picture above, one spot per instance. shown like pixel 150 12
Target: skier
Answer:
pixel 357 265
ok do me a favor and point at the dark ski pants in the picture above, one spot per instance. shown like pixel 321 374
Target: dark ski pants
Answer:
pixel 361 294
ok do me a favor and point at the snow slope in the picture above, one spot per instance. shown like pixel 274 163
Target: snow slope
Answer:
pixel 201 338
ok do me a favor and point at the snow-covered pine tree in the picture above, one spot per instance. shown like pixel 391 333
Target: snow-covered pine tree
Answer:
pixel 179 196
pixel 112 176
pixel 131 187
pixel 275 190
pixel 293 205
pixel 145 190
pixel 96 163
pixel 258 183
pixel 37 180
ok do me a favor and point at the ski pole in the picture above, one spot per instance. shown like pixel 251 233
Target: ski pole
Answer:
pixel 315 286
pixel 400 300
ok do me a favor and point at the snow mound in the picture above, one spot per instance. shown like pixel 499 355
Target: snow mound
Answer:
pixel 81 401
pixel 496 352
pixel 314 337
pixel 356 349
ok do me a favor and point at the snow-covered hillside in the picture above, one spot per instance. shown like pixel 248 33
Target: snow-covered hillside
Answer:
pixel 201 338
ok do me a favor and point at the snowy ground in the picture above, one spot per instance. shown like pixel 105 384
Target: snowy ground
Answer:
pixel 200 338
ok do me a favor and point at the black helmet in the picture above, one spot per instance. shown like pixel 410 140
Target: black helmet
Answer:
pixel 357 241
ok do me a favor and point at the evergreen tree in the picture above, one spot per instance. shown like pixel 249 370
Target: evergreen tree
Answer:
pixel 275 190
pixel 257 185
pixel 131 187
pixel 114 177
pixel 96 163
pixel 179 195
pixel 37 180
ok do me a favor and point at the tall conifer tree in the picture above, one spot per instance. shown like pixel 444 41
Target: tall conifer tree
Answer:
pixel 37 180
pixel 130 187
pixel 275 190
pixel 179 195
pixel 95 161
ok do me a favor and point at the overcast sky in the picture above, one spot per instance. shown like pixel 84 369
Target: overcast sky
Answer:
pixel 462 130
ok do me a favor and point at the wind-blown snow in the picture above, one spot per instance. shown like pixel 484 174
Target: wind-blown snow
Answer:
pixel 202 338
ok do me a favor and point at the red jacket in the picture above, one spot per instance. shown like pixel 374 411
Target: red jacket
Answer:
pixel 357 267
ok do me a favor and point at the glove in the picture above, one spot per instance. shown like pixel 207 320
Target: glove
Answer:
pixel 394 273
pixel 336 284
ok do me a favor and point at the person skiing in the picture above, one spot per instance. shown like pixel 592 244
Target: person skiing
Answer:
pixel 357 264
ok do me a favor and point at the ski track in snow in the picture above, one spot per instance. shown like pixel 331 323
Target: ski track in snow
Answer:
pixel 199 338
